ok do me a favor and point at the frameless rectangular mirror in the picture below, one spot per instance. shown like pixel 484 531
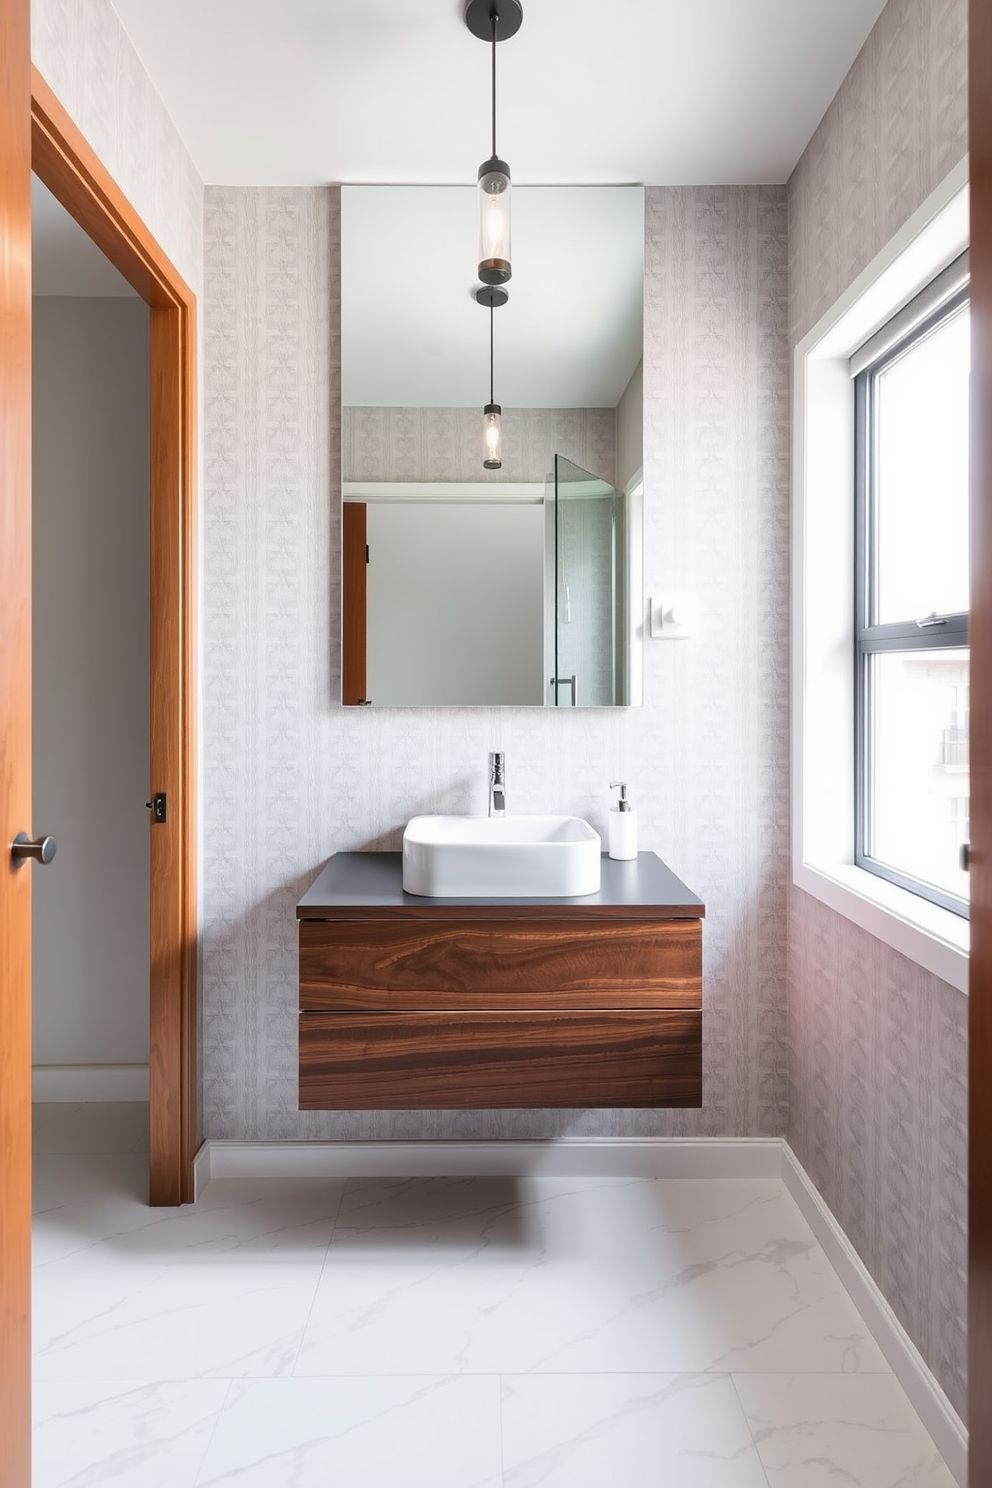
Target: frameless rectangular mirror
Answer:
pixel 464 585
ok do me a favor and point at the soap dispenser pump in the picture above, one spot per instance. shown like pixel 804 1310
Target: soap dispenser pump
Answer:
pixel 623 825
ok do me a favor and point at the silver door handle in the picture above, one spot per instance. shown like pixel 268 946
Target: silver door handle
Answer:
pixel 42 849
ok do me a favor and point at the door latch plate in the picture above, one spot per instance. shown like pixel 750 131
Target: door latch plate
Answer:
pixel 157 806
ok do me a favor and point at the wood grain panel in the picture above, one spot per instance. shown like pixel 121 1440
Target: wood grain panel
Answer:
pixel 554 963
pixel 980 976
pixel 15 743
pixel 354 603
pixel 432 1060
pixel 70 168
pixel 74 173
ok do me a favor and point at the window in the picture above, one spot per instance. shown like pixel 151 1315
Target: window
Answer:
pixel 874 318
pixel 911 595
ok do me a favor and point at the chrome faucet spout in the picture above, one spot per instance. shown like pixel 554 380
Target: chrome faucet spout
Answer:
pixel 497 784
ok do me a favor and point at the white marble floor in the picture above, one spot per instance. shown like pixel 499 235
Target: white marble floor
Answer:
pixel 443 1333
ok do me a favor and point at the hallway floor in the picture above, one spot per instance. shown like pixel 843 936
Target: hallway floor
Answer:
pixel 443 1333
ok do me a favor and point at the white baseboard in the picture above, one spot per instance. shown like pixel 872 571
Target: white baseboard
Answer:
pixel 89 1082
pixel 646 1157
pixel 907 1363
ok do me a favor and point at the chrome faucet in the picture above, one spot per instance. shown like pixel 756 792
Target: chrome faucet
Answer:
pixel 497 785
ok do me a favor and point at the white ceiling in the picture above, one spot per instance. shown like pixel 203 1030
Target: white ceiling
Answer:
pixel 64 261
pixel 299 92
pixel 412 333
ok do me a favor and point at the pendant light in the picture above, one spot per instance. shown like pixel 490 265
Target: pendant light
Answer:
pixel 492 415
pixel 493 21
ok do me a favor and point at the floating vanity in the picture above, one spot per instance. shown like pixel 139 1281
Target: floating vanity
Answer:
pixel 416 1003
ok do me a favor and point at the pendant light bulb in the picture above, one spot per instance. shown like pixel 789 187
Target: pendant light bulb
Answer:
pixel 494 200
pixel 492 425
pixel 494 221
pixel 492 437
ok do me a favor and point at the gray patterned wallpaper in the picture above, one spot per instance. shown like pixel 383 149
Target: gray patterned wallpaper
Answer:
pixel 289 776
pixel 84 54
pixel 445 444
pixel 878 1047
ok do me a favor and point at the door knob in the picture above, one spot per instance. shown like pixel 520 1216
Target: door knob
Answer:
pixel 42 849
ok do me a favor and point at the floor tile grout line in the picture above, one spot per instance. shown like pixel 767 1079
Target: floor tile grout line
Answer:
pixel 502 1453
pixel 747 1423
pixel 213 1432
pixel 320 1277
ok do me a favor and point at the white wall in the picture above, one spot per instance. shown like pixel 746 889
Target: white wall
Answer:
pixel 91 641
pixel 455 603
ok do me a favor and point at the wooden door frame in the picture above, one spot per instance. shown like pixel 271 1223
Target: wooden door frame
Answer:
pixel 69 167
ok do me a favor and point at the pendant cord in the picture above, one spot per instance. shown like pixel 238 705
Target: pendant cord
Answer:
pixel 491 381
pixel 493 19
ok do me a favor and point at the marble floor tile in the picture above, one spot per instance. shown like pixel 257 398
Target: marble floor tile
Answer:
pixel 223 1316
pixel 562 1276
pixel 311 1332
pixel 386 1432
pixel 108 1434
pixel 249 1217
pixel 102 1177
pixel 634 1430
pixel 90 1126
pixel 820 1430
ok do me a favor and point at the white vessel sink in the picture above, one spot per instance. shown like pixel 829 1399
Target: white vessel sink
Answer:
pixel 455 857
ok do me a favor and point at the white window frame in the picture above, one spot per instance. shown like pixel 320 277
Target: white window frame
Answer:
pixel 823 662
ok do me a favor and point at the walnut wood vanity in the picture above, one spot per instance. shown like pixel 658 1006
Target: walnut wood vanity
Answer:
pixel 415 1003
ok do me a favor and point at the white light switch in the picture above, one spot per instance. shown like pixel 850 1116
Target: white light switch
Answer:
pixel 673 617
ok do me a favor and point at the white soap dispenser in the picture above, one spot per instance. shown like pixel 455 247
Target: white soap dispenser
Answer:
pixel 623 825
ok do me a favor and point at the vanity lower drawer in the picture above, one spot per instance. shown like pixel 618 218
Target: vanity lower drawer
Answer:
pixel 486 964
pixel 431 1060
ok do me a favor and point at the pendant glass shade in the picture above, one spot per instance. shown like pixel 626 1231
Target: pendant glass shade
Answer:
pixel 492 436
pixel 494 221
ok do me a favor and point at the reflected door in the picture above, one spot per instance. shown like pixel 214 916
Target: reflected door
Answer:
pixel 354 598
pixel 587 592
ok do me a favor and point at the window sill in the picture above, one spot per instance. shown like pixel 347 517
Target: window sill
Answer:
pixel 933 937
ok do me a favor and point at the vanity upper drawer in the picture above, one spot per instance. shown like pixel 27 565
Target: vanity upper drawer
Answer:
pixel 500 964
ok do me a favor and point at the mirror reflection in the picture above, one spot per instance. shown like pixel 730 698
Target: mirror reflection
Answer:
pixel 522 585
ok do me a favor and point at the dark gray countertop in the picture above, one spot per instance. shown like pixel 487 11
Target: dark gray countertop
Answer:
pixel 369 886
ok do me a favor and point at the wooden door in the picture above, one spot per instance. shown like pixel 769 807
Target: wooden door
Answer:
pixel 15 741
pixel 354 606
pixel 980 999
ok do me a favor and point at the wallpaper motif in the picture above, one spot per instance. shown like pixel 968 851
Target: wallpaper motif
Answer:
pixel 84 54
pixel 289 776
pixel 897 126
pixel 445 444
pixel 878 1047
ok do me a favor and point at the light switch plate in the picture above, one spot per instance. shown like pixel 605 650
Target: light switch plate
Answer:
pixel 673 618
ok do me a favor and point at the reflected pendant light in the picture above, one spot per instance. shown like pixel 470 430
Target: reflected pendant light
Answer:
pixel 493 21
pixel 492 415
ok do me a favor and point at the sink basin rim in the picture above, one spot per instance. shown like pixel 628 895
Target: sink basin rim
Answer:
pixel 454 857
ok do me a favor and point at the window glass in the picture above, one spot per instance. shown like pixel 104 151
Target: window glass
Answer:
pixel 918 733
pixel 912 608
pixel 921 476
